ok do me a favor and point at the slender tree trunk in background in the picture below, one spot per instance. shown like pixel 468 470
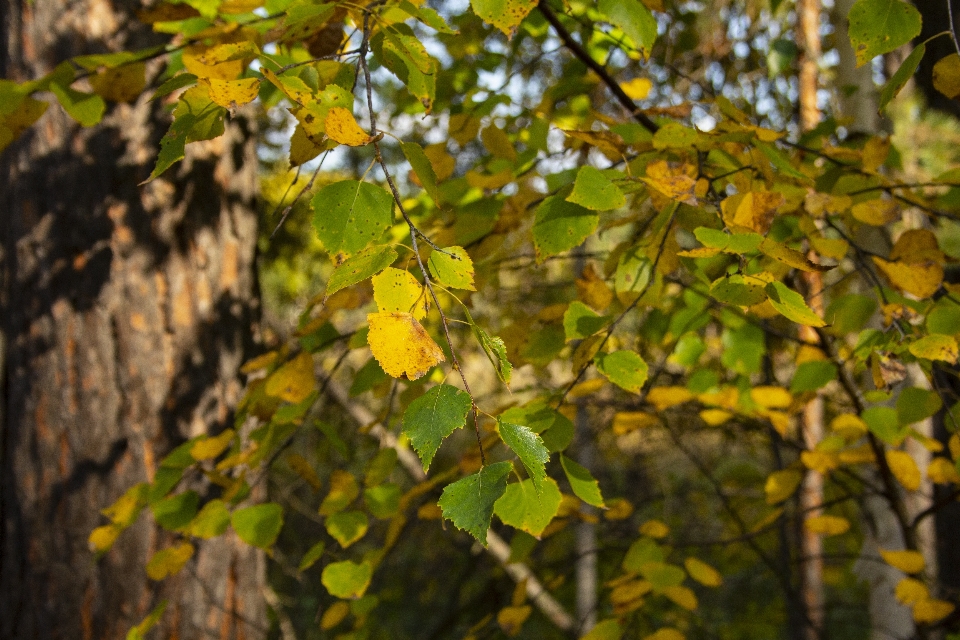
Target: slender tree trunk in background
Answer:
pixel 586 535
pixel 855 87
pixel 811 491
pixel 126 312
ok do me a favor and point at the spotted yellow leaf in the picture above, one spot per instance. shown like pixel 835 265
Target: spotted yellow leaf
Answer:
pixel 401 345
pixel 231 94
pixel 396 290
pixel 342 127
pixel 936 347
pixel 753 210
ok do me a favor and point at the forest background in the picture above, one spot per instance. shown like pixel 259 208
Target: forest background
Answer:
pixel 502 318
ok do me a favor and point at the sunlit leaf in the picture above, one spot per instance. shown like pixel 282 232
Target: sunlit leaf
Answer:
pixel 340 125
pixel 529 448
pixel 904 469
pixel 350 214
pixel 626 369
pixel 529 508
pixel 258 525
pixel 169 561
pixel 361 266
pixel 505 15
pixel 346 527
pixel 453 268
pixel 792 305
pixel 560 226
pixel 396 290
pixel 827 525
pixel 634 19
pixel 594 190
pixel 347 579
pixel 902 75
pixel 880 26
pixel 935 347
pixel 946 75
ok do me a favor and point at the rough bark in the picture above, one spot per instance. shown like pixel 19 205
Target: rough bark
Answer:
pixel 125 314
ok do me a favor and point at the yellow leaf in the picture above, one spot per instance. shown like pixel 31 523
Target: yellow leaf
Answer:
pixel 593 290
pixel 907 561
pixel 169 561
pixel 654 529
pixel 586 387
pixel 953 445
pixel 917 246
pixel 819 204
pixel 942 471
pixel 209 448
pixel 936 347
pixel 343 490
pixel 932 610
pixel 753 210
pixel 781 485
pixel 703 573
pixel 618 509
pixel 302 148
pixel 213 62
pixel 911 591
pixel 231 94
pixel 511 619
pixel 878 213
pixel 820 461
pixel 666 397
pixel 396 290
pixel 627 421
pixel 102 538
pixel 401 345
pixel 835 248
pixel 334 615
pixel 675 181
pixel 715 417
pixel 827 525
pixel 858 455
pixel 342 127
pixel 683 596
pixel 293 381
pixel 946 76
pixel 630 591
pixel 120 84
pixel 904 469
pixel 875 153
pixel 637 89
pixel 771 397
pixel 849 426
pixel 919 279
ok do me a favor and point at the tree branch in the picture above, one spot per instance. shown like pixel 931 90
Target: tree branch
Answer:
pixel 577 49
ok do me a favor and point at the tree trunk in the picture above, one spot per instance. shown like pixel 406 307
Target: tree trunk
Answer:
pixel 126 312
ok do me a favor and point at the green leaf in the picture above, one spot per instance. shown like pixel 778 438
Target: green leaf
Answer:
pixel 781 161
pixel 313 554
pixel 880 26
pixel 380 468
pixel 350 214
pixel 468 503
pixel 453 269
pixel 738 290
pixel 212 520
pixel 347 527
pixel 944 318
pixel 495 349
pixel 580 321
pixel 383 501
pixel 662 575
pixel 634 19
pixel 642 551
pixel 529 448
pixel 738 243
pixel 405 56
pixel 605 630
pixel 916 404
pixel 903 74
pixel 169 561
pixel 626 369
pixel 139 632
pixel 347 579
pixel 884 423
pixel 554 428
pixel 361 266
pixel 792 305
pixel 594 190
pixel 583 484
pixel 529 508
pixel 422 169
pixel 258 525
pixel 812 375
pixel 196 117
pixel 935 347
pixel 560 226
pixel 85 108
pixel 434 416
pixel 176 511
